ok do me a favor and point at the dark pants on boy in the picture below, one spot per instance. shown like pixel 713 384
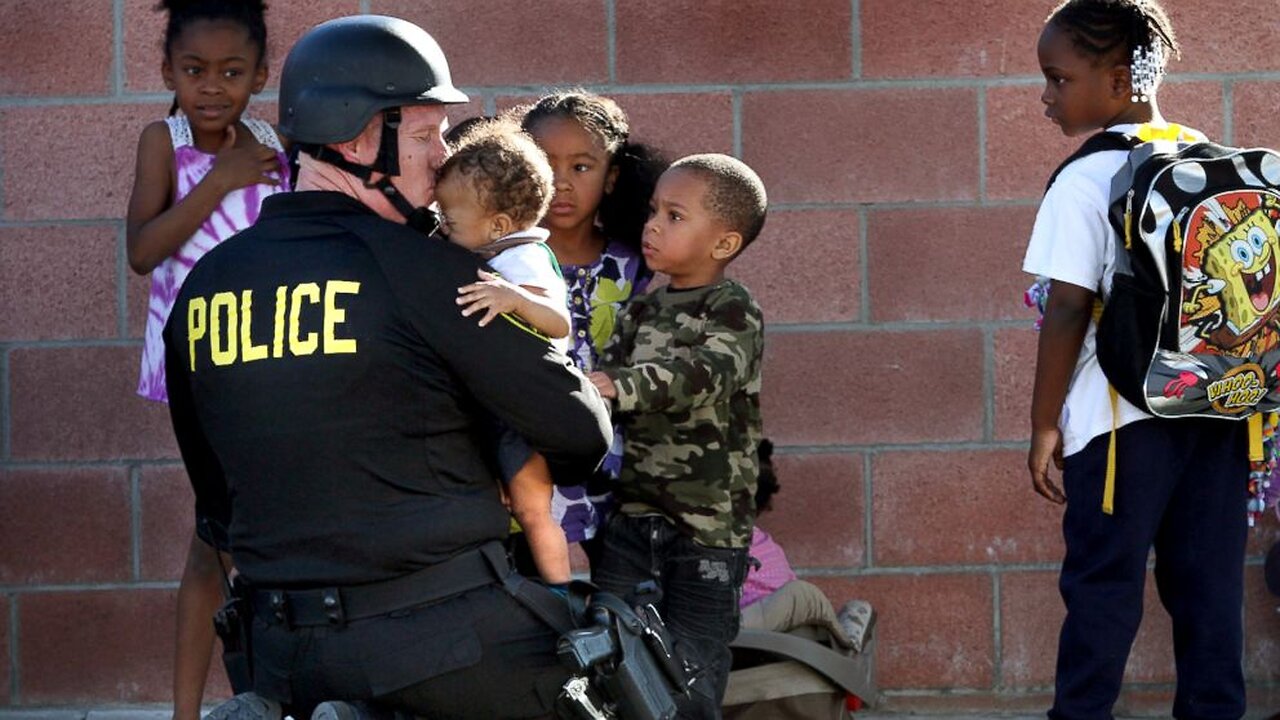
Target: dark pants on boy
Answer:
pixel 699 590
pixel 1181 486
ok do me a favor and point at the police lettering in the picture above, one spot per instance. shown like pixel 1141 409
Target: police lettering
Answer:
pixel 225 323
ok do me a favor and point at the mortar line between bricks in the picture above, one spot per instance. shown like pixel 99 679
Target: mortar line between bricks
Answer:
pixel 997 632
pixel 864 269
pixel 988 384
pixel 364 7
pixel 135 521
pixel 611 38
pixel 68 222
pixel 868 495
pixel 982 146
pixel 1228 112
pixel 681 88
pixel 78 343
pixel 931 446
pixel 20 590
pixel 112 464
pixel 905 204
pixel 844 571
pixel 855 38
pixel 735 104
pixel 117 48
pixel 15 649
pixel 895 326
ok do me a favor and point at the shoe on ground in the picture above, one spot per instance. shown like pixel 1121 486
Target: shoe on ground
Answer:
pixel 246 706
pixel 857 618
pixel 339 710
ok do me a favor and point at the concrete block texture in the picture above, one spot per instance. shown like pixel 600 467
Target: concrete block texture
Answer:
pixel 58 282
pixel 904 149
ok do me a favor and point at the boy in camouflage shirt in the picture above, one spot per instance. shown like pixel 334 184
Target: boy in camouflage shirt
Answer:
pixel 683 371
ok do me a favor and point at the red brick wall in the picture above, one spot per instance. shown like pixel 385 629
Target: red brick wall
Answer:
pixel 904 153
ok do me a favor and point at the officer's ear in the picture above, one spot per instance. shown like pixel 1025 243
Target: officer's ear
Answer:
pixel 500 225
pixel 363 148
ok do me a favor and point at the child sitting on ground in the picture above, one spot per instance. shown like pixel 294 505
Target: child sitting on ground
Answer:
pixel 774 599
pixel 684 369
pixel 492 192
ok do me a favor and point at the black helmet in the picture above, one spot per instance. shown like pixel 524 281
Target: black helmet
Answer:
pixel 341 73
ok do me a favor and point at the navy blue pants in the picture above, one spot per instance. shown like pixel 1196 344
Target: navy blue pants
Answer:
pixel 1181 487
pixel 699 588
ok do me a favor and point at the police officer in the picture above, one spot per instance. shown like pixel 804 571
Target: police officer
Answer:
pixel 330 400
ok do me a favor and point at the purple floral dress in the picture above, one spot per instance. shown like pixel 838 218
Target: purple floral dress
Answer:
pixel 597 293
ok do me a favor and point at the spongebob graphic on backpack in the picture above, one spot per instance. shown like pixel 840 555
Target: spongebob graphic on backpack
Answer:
pixel 1229 275
pixel 1192 326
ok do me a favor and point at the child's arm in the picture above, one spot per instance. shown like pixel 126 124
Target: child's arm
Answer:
pixel 155 227
pixel 725 361
pixel 495 296
pixel 1066 318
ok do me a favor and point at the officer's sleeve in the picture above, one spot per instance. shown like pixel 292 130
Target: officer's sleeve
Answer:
pixel 213 506
pixel 722 364
pixel 512 373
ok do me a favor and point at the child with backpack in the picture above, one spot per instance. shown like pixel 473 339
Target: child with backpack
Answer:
pixel 1131 480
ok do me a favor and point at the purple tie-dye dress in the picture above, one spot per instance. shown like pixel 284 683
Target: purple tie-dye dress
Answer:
pixel 239 210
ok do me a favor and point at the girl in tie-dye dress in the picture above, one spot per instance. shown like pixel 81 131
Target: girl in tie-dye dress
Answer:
pixel 201 177
pixel 202 174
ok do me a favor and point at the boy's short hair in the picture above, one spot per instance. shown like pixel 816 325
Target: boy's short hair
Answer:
pixel 735 193
pixel 508 170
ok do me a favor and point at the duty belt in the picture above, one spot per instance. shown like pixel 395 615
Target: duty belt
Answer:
pixel 482 566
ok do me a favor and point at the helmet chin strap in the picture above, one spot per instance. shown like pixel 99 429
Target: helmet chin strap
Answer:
pixel 387 163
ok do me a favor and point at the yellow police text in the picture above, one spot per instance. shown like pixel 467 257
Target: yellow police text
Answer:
pixel 221 324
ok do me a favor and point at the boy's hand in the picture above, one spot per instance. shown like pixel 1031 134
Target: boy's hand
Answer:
pixel 492 294
pixel 235 168
pixel 1046 446
pixel 604 384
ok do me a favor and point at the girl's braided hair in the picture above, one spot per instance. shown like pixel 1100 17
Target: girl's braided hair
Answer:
pixel 1103 28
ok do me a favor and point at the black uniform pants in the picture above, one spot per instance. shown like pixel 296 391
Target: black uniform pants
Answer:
pixel 478 655
pixel 1181 487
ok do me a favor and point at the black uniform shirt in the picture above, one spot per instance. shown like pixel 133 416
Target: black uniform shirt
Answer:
pixel 328 397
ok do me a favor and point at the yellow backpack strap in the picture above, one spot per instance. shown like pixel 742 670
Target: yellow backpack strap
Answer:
pixel 1172 131
pixel 1109 488
pixel 1255 437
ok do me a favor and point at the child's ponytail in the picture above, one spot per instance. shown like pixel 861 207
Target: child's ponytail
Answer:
pixel 624 210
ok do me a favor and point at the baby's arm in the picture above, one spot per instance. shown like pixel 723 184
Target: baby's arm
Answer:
pixel 156 227
pixel 1066 318
pixel 495 296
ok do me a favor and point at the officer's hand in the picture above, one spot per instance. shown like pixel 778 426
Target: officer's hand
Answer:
pixel 604 384
pixel 237 167
pixel 492 294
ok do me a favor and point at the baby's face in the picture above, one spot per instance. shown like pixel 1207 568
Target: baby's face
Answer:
pixel 462 217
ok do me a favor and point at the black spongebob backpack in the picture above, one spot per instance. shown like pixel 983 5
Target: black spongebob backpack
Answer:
pixel 1192 325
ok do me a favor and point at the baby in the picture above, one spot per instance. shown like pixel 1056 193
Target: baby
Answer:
pixel 492 192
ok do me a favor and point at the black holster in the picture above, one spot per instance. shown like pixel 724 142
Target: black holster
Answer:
pixel 233 625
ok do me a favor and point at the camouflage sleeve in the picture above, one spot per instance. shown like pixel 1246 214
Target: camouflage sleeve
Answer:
pixel 723 359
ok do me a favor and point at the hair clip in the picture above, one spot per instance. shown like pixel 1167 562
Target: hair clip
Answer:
pixel 1146 71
